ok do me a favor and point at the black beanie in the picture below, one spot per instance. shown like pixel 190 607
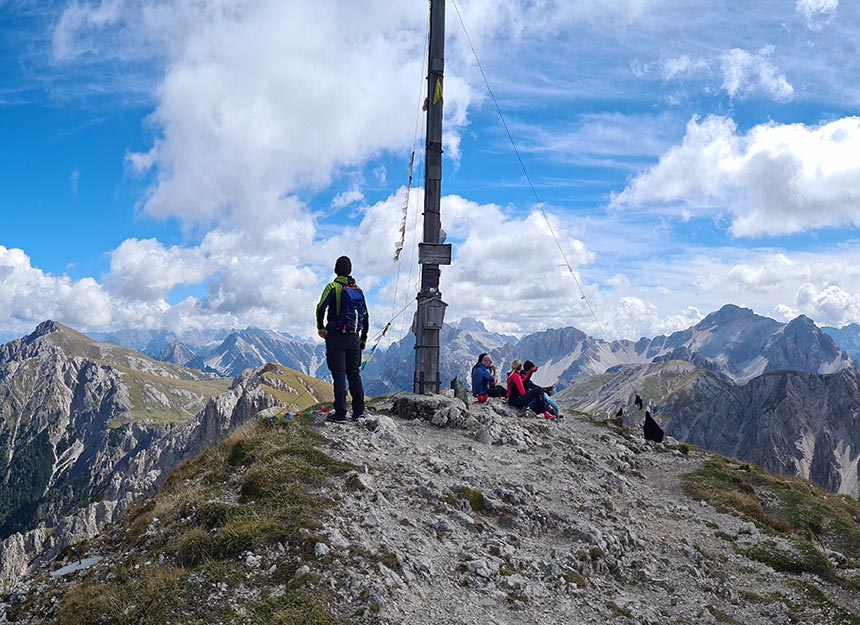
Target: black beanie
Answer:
pixel 343 266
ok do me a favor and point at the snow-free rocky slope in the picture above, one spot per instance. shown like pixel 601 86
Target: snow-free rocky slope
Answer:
pixel 87 427
pixel 789 422
pixel 430 513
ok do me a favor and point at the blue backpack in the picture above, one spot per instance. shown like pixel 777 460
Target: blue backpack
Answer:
pixel 352 310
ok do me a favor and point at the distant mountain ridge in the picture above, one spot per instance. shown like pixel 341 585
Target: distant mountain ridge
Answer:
pixel 847 337
pixel 254 347
pixel 732 340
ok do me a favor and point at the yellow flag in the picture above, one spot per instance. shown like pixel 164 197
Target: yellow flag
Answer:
pixel 437 93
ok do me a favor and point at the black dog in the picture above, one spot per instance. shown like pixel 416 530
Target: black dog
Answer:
pixel 653 432
pixel 638 402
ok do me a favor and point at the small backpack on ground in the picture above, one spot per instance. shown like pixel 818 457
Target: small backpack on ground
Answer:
pixel 460 391
pixel 352 310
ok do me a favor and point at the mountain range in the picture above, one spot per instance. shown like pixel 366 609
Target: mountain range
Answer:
pixel 87 427
pixel 733 340
pixel 847 337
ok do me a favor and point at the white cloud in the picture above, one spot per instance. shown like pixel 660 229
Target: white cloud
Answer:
pixel 142 162
pixel 146 270
pixel 73 35
pixel 345 198
pixel 831 305
pixel 745 73
pixel 29 295
pixel 260 100
pixel 681 66
pixel 766 275
pixel 817 13
pixel 775 179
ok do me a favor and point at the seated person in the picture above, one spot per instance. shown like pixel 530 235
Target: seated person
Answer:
pixel 519 397
pixel 529 368
pixel 485 382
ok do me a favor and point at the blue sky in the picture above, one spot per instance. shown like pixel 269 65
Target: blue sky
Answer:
pixel 185 165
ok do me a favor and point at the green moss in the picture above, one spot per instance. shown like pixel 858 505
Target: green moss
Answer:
pixel 815 602
pixel 801 558
pixel 473 496
pixel 785 504
pixel 294 608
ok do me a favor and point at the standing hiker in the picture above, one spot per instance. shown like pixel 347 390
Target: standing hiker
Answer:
pixel 345 334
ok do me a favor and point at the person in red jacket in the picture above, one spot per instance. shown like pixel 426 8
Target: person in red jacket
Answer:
pixel 519 397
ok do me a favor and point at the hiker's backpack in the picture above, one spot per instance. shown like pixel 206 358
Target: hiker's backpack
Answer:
pixel 353 308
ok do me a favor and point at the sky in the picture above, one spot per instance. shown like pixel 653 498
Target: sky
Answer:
pixel 197 164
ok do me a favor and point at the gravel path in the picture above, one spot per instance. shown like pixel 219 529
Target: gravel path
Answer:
pixel 495 518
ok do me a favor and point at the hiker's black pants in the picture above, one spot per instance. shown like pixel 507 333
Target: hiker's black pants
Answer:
pixel 343 357
pixel 497 391
pixel 523 401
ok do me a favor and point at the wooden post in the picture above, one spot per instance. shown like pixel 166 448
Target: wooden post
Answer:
pixel 431 308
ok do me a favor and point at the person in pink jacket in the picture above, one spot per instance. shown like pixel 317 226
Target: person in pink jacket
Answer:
pixel 519 397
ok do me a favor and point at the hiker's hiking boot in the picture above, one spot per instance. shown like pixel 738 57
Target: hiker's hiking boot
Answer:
pixel 549 415
pixel 333 418
pixel 356 417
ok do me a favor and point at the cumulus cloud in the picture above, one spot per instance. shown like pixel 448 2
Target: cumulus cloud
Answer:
pixel 831 305
pixel 345 198
pixel 767 275
pixel 776 179
pixel 817 13
pixel 259 103
pixel 29 295
pixel 260 100
pixel 510 265
pixel 745 73
pixel 634 318
pixel 147 270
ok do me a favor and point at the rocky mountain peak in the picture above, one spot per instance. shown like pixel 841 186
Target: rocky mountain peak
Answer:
pixel 468 324
pixel 430 511
pixel 801 320
pixel 44 328
pixel 729 313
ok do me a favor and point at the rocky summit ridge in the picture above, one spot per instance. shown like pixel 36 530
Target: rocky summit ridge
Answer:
pixel 430 511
